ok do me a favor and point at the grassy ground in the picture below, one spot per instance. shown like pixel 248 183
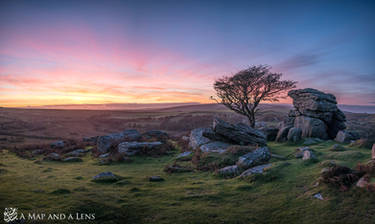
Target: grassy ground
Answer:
pixel 282 195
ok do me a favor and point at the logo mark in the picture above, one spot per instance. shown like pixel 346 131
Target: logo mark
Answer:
pixel 10 214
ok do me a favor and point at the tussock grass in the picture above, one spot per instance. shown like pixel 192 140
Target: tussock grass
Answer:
pixel 282 195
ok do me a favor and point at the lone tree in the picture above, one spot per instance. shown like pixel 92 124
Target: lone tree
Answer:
pixel 243 91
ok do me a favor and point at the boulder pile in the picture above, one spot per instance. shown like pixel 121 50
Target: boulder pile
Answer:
pixel 223 135
pixel 250 163
pixel 104 143
pixel 315 115
pixel 131 142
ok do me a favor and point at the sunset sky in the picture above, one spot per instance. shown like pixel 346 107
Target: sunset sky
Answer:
pixel 73 52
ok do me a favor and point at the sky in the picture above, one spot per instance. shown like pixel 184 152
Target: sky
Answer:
pixel 83 52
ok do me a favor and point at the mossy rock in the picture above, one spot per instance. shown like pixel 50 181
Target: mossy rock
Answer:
pixel 106 177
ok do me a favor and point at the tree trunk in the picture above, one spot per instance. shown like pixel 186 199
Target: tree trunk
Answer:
pixel 251 118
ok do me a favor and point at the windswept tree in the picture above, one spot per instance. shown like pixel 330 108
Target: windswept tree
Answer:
pixel 243 91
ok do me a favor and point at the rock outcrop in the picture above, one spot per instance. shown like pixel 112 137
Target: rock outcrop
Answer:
pixel 222 135
pixel 240 134
pixel 270 132
pixel 155 135
pixel 198 140
pixel 250 163
pixel 104 143
pixel 133 148
pixel 294 134
pixel 315 115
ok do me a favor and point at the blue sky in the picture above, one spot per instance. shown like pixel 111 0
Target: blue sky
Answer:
pixel 54 52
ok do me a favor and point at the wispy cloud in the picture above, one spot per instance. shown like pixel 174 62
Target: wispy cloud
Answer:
pixel 299 61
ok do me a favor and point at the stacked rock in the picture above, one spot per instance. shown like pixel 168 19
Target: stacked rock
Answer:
pixel 315 115
pixel 222 135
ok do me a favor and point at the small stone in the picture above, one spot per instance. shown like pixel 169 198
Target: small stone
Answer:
pixel 72 159
pixel 255 170
pixel 363 182
pixel 155 179
pixel 105 155
pixel 106 177
pixel 229 171
pixel 300 152
pixel 53 156
pixel 318 196
pixel 37 152
pixel 307 155
pixel 58 144
pixel 76 153
pixel 183 155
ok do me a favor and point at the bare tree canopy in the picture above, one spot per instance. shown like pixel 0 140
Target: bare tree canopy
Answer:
pixel 243 91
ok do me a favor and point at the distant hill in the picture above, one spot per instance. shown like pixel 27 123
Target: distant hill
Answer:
pixel 219 107
pixel 358 108
pixel 112 106
pixel 185 107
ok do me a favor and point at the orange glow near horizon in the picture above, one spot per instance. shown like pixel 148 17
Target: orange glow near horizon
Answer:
pixel 97 54
pixel 51 74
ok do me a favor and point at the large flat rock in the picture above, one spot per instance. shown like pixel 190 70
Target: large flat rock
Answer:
pixel 239 134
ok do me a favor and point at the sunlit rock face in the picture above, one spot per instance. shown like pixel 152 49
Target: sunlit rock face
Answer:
pixel 315 114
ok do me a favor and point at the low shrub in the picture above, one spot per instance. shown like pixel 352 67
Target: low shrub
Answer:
pixel 340 177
